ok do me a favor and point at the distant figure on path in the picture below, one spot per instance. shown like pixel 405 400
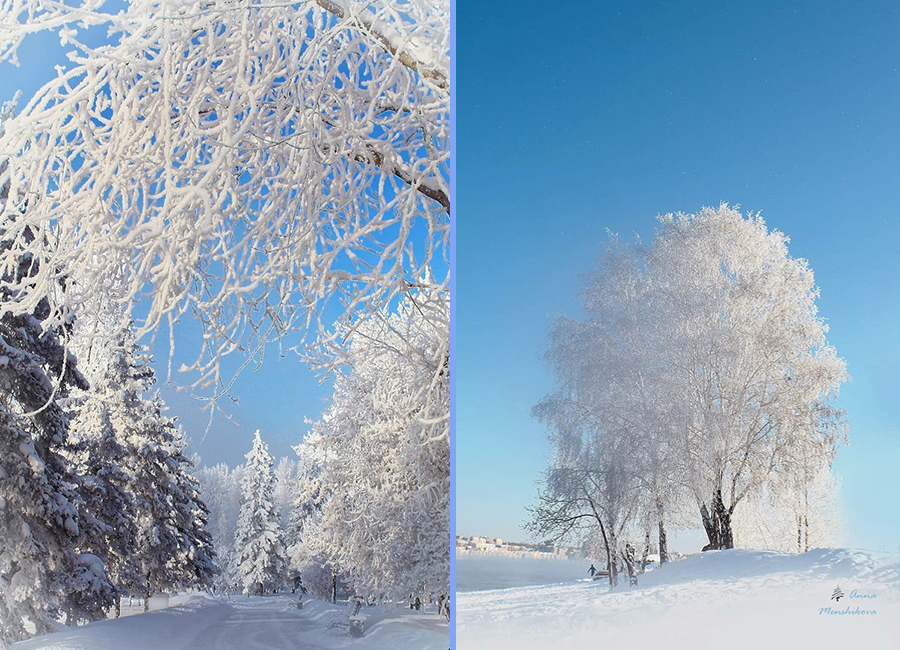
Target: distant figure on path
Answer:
pixel 592 570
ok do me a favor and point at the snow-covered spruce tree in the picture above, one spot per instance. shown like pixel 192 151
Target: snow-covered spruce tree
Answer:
pixel 260 562
pixel 173 546
pixel 169 547
pixel 383 449
pixel 39 520
pixel 107 509
pixel 102 428
pixel 302 147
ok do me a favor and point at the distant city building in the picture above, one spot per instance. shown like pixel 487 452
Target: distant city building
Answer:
pixel 495 546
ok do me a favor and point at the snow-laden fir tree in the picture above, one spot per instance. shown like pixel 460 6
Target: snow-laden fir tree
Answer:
pixel 101 416
pixel 173 546
pixel 383 454
pixel 39 520
pixel 260 564
pixel 108 528
pixel 168 546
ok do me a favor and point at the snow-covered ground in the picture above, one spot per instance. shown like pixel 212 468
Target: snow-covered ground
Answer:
pixel 734 599
pixel 199 622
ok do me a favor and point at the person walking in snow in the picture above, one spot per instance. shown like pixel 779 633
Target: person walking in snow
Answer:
pixel 592 570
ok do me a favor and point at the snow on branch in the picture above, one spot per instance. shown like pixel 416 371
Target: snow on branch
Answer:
pixel 267 168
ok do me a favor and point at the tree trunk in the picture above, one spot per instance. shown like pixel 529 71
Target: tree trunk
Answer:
pixel 646 551
pixel 613 562
pixel 805 534
pixel 118 606
pixel 712 531
pixel 333 586
pixel 799 525
pixel 610 556
pixel 726 537
pixel 628 559
pixel 717 524
pixel 663 543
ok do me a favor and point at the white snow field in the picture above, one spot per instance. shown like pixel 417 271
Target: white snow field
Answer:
pixel 201 622
pixel 735 599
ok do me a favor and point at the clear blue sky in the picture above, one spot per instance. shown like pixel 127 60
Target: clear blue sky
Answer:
pixel 275 399
pixel 585 116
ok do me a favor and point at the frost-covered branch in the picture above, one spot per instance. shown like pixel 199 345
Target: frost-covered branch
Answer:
pixel 234 162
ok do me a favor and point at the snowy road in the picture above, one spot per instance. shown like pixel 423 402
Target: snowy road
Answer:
pixel 267 623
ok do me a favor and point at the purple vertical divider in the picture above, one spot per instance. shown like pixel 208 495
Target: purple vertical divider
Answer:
pixel 452 531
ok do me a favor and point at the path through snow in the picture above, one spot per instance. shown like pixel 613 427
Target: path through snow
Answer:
pixel 199 622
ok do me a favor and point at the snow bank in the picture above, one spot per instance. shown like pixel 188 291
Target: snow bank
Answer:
pixel 733 599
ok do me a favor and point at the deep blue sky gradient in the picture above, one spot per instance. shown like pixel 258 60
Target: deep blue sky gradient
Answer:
pixel 586 116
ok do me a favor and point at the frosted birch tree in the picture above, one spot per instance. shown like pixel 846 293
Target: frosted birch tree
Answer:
pixel 262 167
pixel 747 355
pixel 611 415
pixel 705 353
pixel 384 454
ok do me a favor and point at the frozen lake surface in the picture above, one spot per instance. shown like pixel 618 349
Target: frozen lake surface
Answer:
pixel 481 572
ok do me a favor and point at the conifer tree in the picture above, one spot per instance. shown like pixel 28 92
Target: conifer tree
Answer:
pixel 173 547
pixel 259 549
pixel 39 519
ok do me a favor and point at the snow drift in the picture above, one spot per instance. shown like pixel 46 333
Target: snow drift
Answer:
pixel 732 599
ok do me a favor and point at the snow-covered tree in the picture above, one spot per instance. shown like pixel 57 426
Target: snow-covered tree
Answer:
pixel 285 489
pixel 589 486
pixel 108 529
pixel 746 358
pixel 260 560
pixel 173 546
pixel 39 520
pixel 220 490
pixel 249 163
pixel 611 421
pixel 701 370
pixel 792 512
pixel 383 453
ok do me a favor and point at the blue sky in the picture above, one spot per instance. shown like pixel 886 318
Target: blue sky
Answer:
pixel 595 116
